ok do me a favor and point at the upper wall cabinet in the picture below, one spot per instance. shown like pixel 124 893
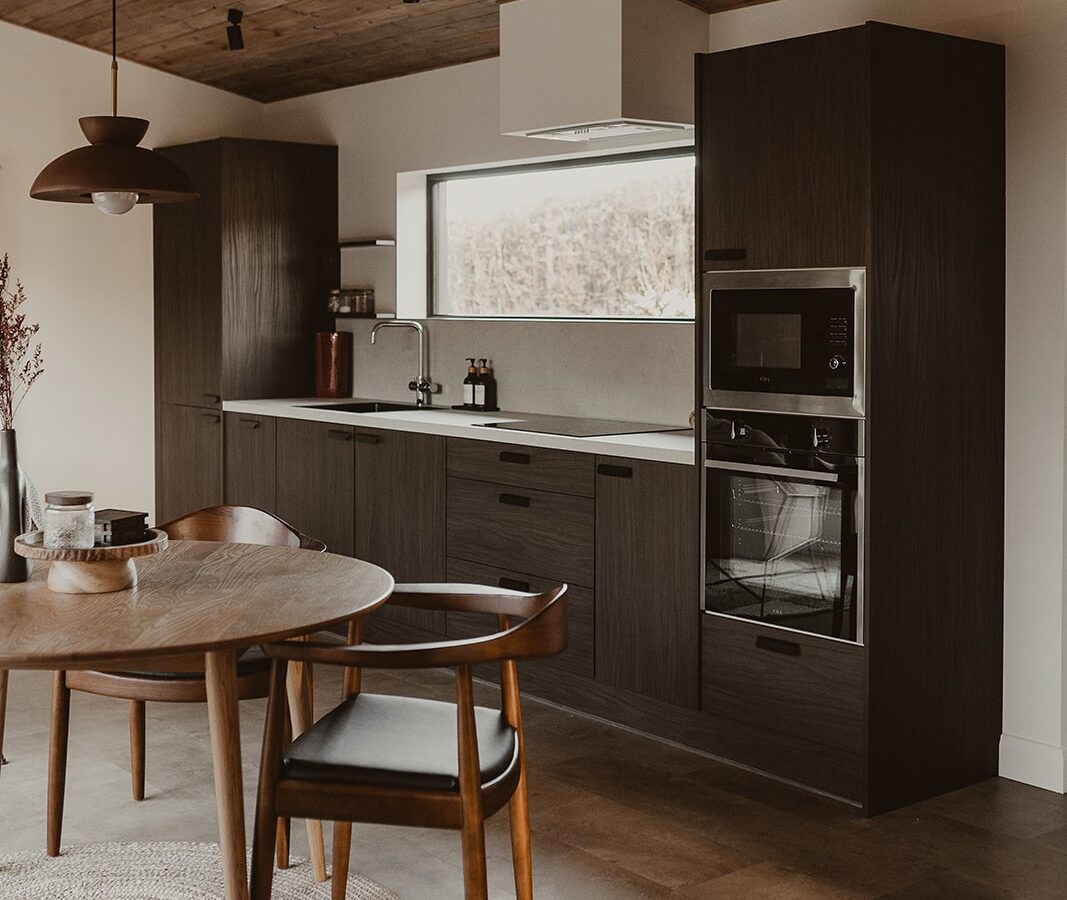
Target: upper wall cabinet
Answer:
pixel 784 146
pixel 242 273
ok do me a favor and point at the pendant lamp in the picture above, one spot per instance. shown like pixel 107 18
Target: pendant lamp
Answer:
pixel 113 173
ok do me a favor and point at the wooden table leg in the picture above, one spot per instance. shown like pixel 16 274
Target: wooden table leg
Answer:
pixel 223 713
pixel 300 712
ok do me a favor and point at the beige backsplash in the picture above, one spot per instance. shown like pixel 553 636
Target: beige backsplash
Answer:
pixel 631 371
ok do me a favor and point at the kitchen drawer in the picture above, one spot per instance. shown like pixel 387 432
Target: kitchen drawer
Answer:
pixel 521 530
pixel 577 659
pixel 795 684
pixel 530 467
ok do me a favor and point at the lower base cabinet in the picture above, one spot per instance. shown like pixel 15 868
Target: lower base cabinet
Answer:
pixel 647 597
pixel 316 492
pixel 577 660
pixel 189 469
pixel 251 461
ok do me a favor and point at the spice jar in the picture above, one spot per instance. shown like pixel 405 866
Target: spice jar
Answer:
pixel 69 520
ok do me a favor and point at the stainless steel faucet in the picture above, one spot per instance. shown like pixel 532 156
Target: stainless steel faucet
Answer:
pixel 423 387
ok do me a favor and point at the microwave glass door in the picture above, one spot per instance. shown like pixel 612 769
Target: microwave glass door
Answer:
pixel 782 549
pixel 784 341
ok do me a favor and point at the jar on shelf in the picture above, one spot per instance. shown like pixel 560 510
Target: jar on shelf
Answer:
pixel 69 520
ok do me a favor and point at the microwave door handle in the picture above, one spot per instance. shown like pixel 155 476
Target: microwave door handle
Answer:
pixel 771 471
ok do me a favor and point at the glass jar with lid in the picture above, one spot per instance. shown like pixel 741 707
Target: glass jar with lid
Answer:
pixel 69 520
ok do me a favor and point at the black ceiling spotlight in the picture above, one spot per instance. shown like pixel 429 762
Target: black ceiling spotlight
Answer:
pixel 233 30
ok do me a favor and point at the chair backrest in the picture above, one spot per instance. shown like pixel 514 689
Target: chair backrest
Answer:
pixel 239 524
pixel 541 632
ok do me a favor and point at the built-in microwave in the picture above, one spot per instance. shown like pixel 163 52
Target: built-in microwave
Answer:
pixel 788 341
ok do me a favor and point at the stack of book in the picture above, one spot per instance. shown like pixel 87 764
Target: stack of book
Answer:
pixel 115 527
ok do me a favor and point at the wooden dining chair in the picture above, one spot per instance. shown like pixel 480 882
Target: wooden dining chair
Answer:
pixel 178 679
pixel 405 761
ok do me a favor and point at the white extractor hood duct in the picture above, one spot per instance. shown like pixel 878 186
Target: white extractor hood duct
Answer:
pixel 575 70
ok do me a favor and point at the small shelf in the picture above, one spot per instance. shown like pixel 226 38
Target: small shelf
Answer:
pixel 362 315
pixel 368 242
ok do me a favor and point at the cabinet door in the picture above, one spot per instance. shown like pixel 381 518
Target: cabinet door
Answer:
pixel 188 460
pixel 784 148
pixel 400 512
pixel 315 481
pixel 250 461
pixel 188 273
pixel 647 596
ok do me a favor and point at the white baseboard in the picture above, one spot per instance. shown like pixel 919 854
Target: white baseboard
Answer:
pixel 1031 762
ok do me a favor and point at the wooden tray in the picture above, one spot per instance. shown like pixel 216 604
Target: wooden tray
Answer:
pixel 93 570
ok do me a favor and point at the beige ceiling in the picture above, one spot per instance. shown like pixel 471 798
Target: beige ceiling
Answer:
pixel 292 47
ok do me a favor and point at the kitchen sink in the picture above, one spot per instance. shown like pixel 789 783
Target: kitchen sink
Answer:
pixel 364 406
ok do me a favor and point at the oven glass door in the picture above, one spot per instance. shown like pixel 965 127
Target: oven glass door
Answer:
pixel 782 546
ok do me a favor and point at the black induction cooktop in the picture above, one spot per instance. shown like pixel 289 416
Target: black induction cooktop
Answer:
pixel 575 427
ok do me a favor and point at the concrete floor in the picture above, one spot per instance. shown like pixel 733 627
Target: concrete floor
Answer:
pixel 615 815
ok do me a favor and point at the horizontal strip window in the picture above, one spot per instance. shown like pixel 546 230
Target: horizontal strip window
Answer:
pixel 607 237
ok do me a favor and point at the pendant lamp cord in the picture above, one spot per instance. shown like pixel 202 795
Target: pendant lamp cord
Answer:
pixel 114 59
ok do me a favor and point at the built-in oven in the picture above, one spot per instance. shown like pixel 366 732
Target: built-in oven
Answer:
pixel 787 340
pixel 783 514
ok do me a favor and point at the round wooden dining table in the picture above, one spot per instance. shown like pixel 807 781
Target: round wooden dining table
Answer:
pixel 194 597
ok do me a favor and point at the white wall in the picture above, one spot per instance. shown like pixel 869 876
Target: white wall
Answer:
pixel 1035 34
pixel 88 422
pixel 449 118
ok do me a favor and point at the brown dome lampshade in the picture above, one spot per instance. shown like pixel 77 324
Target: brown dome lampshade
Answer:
pixel 113 172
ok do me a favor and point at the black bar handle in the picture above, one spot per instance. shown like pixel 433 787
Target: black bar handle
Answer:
pixel 214 398
pixel 725 254
pixel 522 459
pixel 215 417
pixel 251 423
pixel 514 500
pixel 337 435
pixel 787 648
pixel 365 438
pixel 615 471
pixel 513 584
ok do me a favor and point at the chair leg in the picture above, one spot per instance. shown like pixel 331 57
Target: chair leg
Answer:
pixel 3 713
pixel 521 854
pixel 300 714
pixel 342 850
pixel 57 760
pixel 269 767
pixel 285 825
pixel 137 747
pixel 475 886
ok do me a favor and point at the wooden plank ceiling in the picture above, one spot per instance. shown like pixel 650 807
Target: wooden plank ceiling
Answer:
pixel 292 47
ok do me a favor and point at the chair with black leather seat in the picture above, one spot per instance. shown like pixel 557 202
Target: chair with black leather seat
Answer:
pixel 394 760
pixel 177 680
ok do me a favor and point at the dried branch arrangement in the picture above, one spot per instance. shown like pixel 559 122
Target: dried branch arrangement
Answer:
pixel 21 363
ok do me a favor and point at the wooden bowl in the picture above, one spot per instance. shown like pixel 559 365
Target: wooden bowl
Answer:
pixel 94 570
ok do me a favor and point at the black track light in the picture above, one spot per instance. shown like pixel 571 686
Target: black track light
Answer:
pixel 233 30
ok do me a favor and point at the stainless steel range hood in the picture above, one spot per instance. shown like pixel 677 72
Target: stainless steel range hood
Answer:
pixel 579 70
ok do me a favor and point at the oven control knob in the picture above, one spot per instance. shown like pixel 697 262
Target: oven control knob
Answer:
pixel 836 362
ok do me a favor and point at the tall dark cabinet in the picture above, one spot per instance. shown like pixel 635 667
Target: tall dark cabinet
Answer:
pixel 240 277
pixel 883 148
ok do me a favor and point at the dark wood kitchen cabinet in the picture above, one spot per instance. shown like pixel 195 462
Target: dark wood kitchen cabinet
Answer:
pixel 882 148
pixel 400 513
pixel 189 450
pixel 240 277
pixel 647 602
pixel 250 461
pixel 315 480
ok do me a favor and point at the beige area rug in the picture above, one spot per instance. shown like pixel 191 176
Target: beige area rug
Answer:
pixel 171 871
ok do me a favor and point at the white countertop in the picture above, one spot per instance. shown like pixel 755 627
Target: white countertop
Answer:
pixel 669 446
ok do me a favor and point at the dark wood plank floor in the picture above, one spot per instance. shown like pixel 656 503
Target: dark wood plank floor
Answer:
pixel 615 815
